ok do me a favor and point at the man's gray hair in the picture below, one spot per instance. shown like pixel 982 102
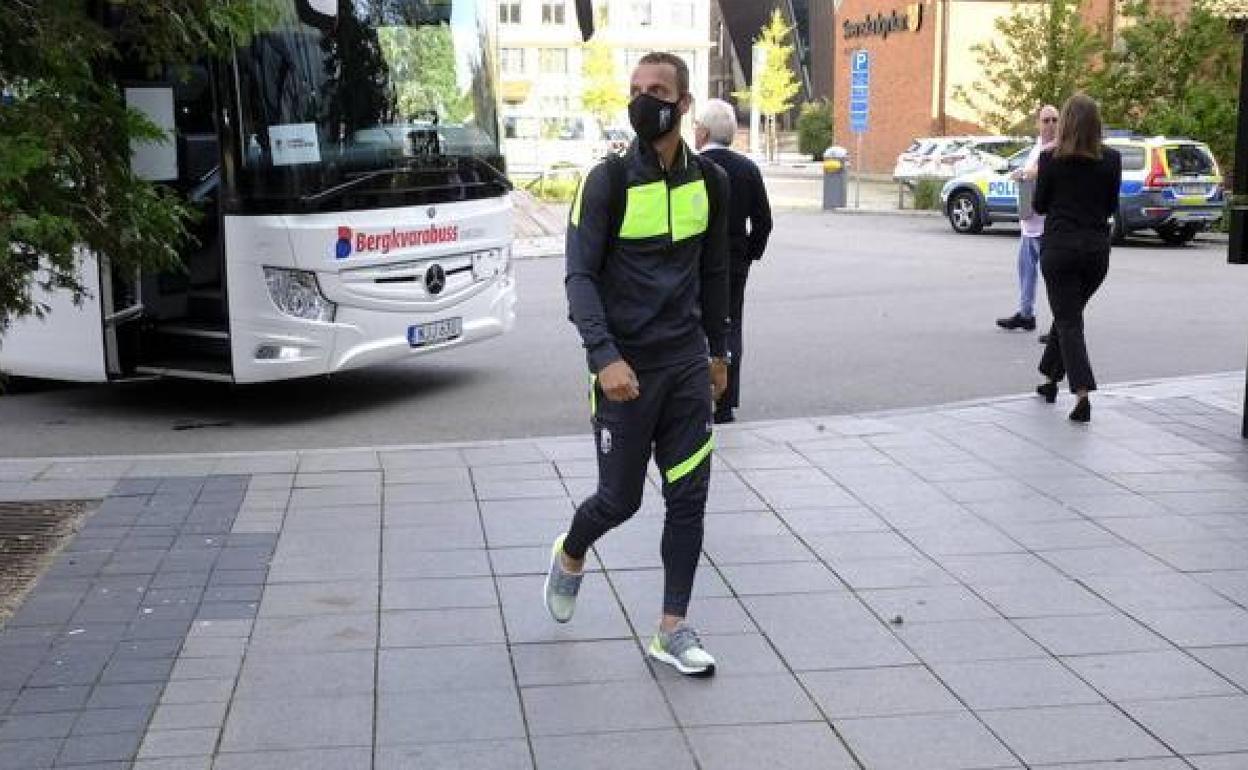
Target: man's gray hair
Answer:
pixel 720 120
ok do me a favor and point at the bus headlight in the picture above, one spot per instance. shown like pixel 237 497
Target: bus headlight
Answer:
pixel 297 293
pixel 487 264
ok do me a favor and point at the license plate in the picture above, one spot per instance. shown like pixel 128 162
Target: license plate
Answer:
pixel 432 333
pixel 1193 189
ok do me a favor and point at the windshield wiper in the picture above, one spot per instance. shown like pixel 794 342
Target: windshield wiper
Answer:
pixel 495 176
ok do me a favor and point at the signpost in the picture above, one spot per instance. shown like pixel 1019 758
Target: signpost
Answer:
pixel 859 110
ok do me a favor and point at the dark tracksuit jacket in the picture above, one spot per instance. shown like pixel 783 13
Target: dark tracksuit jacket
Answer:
pixel 653 292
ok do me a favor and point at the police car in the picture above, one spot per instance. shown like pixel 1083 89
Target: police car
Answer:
pixel 1169 185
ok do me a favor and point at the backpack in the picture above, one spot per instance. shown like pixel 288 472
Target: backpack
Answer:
pixel 616 174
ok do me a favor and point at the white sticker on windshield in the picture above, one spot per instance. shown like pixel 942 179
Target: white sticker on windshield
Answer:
pixel 294 143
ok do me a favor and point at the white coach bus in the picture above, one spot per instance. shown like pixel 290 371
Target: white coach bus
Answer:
pixel 347 165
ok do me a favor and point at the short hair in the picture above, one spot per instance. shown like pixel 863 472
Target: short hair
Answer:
pixel 1079 129
pixel 682 69
pixel 720 120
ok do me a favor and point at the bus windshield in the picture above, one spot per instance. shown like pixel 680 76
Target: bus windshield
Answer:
pixel 379 103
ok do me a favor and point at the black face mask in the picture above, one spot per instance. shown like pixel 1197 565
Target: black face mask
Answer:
pixel 652 117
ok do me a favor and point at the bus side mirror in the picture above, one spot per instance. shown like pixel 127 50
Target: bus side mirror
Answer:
pixel 585 18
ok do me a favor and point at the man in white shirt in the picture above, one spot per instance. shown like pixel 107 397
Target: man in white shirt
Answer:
pixel 1032 226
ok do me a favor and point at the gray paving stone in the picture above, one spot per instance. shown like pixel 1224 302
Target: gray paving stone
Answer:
pixel 999 569
pixel 861 546
pixel 456 716
pixel 735 700
pixel 37 700
pixel 968 640
pixel 183 716
pixel 597 707
pixel 790 578
pixel 103 721
pixel 29 755
pixel 436 564
pixel 324 674
pixel 31 726
pixel 928 604
pixel 449 593
pixel 197 691
pixel 353 631
pixel 1156 675
pixel 311 759
pixel 967 537
pixel 441 627
pixel 562 663
pixel 162 744
pixel 878 692
pixel 206 668
pixel 437 669
pixel 298 723
pixel 111 747
pixel 1091 634
pixel 1200 628
pixel 779 747
pixel 1230 662
pixel 826 631
pixel 320 598
pixel 1221 762
pixel 1196 725
pixel 614 751
pixel 1009 684
pixel 1046 599
pixel 126 671
pixel 1162 591
pixel 932 742
pixel 905 572
pixel 1125 764
pixel 1072 734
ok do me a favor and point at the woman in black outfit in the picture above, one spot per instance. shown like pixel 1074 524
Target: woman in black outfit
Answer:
pixel 1077 189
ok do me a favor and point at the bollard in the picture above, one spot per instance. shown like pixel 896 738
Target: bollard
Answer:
pixel 835 178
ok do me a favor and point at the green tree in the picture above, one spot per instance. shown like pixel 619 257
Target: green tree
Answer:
pixel 603 94
pixel 777 83
pixel 1173 76
pixel 1040 55
pixel 422 66
pixel 65 133
pixel 814 129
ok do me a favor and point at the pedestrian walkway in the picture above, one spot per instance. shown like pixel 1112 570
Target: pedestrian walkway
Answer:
pixel 974 586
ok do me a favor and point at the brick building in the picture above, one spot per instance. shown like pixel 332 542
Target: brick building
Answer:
pixel 920 53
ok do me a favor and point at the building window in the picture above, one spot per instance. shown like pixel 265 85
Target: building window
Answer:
pixel 553 61
pixel 509 12
pixel 511 60
pixel 642 12
pixel 554 12
pixel 682 14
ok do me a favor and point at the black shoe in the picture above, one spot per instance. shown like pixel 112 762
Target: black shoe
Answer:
pixel 1018 321
pixel 1043 339
pixel 1048 390
pixel 724 416
pixel 1082 411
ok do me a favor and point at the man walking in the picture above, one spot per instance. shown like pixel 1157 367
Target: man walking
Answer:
pixel 1032 226
pixel 749 226
pixel 647 284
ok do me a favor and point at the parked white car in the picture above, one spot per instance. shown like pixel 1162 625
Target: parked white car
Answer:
pixel 919 159
pixel 977 153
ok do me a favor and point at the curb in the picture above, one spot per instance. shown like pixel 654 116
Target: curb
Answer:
pixel 906 213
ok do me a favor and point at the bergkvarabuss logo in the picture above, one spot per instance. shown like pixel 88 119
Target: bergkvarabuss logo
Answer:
pixel 342 249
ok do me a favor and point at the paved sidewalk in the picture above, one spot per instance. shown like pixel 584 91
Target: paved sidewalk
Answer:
pixel 975 586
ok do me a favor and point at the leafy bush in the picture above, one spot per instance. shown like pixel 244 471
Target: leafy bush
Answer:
pixel 555 189
pixel 927 195
pixel 814 129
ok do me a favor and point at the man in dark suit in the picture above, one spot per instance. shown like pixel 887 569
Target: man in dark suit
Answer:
pixel 749 226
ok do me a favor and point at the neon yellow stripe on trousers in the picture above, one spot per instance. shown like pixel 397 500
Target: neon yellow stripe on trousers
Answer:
pixel 690 465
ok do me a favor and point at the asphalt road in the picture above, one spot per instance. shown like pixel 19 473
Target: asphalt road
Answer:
pixel 845 314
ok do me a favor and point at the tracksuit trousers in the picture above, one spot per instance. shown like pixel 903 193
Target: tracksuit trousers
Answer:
pixel 731 399
pixel 671 419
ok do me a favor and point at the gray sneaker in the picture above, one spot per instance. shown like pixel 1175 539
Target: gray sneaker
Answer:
pixel 561 585
pixel 682 650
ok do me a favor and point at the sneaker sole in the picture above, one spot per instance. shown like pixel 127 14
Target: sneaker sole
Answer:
pixel 672 661
pixel 554 554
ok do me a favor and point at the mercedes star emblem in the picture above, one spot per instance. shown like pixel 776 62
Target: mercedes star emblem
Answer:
pixel 435 280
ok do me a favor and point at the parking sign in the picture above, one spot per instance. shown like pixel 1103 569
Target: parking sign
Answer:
pixel 859 91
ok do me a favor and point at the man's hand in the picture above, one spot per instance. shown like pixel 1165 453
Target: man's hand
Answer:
pixel 719 377
pixel 1027 174
pixel 619 382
